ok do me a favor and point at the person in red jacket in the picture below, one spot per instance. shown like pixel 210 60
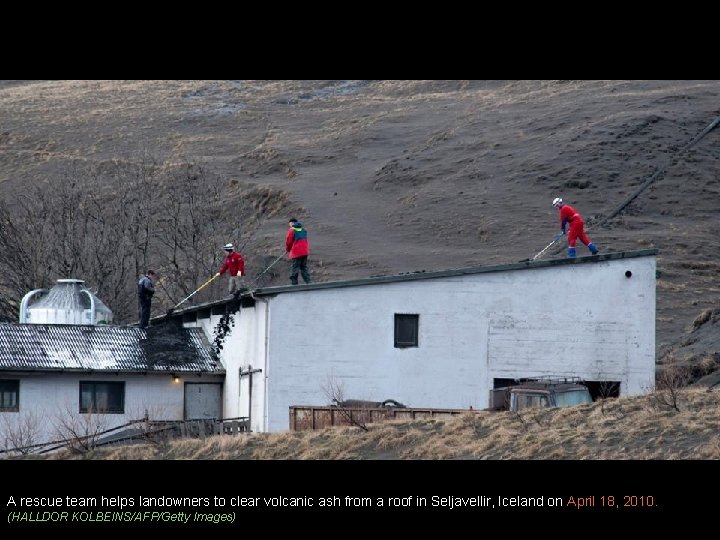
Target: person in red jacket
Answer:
pixel 235 265
pixel 568 215
pixel 298 249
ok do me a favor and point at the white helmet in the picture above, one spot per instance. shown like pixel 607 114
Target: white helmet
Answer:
pixel 228 247
pixel 557 201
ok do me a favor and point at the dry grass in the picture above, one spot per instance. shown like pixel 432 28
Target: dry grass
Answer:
pixel 701 319
pixel 625 428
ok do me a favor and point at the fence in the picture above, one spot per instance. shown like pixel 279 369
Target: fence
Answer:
pixel 305 417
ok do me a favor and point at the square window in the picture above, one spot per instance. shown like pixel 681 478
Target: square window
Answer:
pixel 102 397
pixel 406 330
pixel 9 395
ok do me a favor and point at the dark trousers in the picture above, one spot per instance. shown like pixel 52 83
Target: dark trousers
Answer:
pixel 144 312
pixel 299 264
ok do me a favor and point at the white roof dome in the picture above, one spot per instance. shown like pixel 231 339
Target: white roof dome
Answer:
pixel 68 302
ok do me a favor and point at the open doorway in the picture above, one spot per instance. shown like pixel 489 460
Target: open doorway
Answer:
pixel 603 389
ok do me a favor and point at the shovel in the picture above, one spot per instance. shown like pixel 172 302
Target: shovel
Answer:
pixel 201 287
pixel 557 237
pixel 269 267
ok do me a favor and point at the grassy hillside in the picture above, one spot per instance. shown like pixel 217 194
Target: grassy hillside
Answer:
pixel 640 427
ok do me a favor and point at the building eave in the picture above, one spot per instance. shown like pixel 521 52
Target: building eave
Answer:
pixel 423 275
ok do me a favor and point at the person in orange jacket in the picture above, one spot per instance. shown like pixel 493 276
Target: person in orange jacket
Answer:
pixel 298 249
pixel 235 264
pixel 570 216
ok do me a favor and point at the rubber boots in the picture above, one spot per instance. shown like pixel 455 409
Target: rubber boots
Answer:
pixel 571 252
pixel 593 248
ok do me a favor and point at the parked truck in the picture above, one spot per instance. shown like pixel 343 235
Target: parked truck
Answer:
pixel 540 393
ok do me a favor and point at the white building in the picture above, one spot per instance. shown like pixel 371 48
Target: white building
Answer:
pixel 437 339
pixel 426 339
pixel 55 378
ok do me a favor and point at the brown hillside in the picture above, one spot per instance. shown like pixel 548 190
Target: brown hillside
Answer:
pixel 397 176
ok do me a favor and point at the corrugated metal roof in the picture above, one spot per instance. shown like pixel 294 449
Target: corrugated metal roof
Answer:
pixel 46 347
pixel 420 275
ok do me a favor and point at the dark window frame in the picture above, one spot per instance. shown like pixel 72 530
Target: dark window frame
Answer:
pixel 403 338
pixel 5 388
pixel 93 387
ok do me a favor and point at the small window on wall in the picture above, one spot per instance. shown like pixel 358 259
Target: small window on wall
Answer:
pixel 102 397
pixel 9 395
pixel 406 331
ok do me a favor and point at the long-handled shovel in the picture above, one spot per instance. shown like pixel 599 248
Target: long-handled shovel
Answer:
pixel 188 297
pixel 254 280
pixel 557 237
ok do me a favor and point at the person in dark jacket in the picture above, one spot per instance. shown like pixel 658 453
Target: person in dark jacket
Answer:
pixel 570 216
pixel 146 289
pixel 234 264
pixel 298 249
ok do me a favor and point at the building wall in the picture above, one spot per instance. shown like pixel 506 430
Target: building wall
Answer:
pixel 578 320
pixel 243 347
pixel 589 321
pixel 52 397
pixel 586 320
